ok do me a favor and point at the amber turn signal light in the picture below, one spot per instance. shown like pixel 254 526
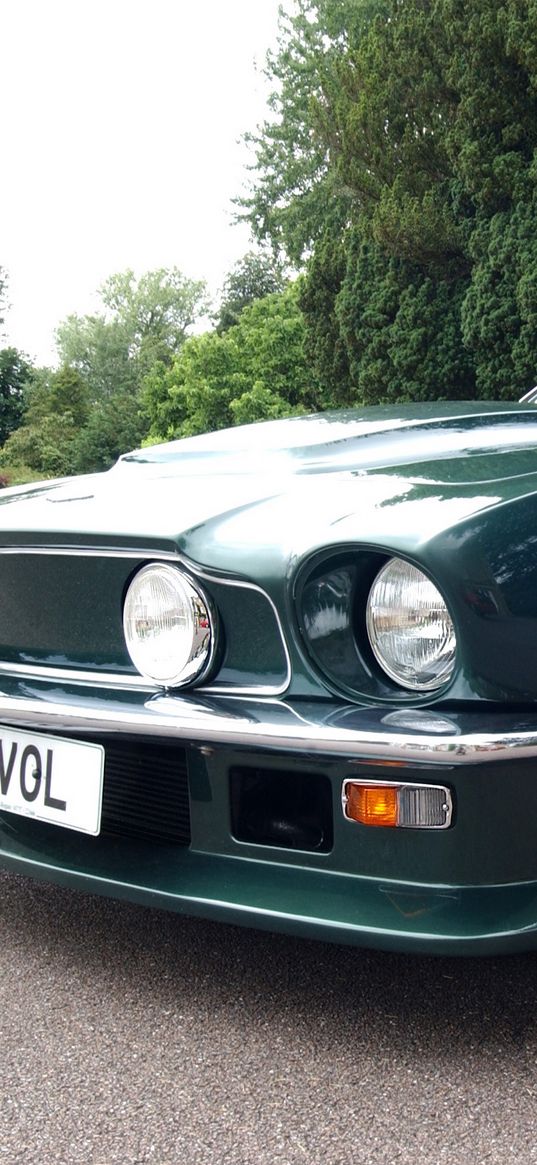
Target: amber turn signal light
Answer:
pixel 397 805
pixel 372 804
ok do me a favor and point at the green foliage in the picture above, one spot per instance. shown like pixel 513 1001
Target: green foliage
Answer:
pixel 46 447
pixel 100 350
pixel 403 153
pixel 255 370
pixel 56 405
pixel 492 70
pixel 19 474
pixel 295 189
pixel 112 428
pixel 256 275
pixel 402 330
pixel 144 321
pixel 68 394
pixel 500 309
pixel 155 312
pixel 15 371
pixel 324 344
pixel 83 416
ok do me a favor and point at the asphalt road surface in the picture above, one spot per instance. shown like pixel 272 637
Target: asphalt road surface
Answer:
pixel 133 1036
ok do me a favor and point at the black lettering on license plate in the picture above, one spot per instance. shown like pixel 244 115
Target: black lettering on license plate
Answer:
pixel 29 771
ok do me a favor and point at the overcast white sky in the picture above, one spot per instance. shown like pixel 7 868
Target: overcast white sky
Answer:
pixel 119 144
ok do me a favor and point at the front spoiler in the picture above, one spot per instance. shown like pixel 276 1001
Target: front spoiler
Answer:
pixel 440 920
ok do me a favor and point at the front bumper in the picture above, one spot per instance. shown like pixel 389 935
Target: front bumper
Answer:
pixel 322 728
pixel 469 889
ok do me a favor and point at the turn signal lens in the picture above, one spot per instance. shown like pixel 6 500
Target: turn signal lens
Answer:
pixel 397 804
pixel 372 804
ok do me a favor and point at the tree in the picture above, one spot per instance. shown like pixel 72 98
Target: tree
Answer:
pixel 68 393
pixel 420 136
pixel 15 371
pixel 112 428
pixel 144 320
pixel 325 344
pixel 499 313
pixel 254 370
pixel 45 448
pixel 56 405
pixel 402 330
pixel 256 275
pixel 143 324
pixel 294 188
pixel 156 311
pixel 99 349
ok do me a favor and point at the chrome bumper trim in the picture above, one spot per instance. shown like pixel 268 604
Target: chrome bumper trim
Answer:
pixel 314 729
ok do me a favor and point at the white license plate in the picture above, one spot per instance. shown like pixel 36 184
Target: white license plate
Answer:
pixel 51 779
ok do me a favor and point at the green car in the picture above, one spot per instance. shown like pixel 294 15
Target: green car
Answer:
pixel 286 676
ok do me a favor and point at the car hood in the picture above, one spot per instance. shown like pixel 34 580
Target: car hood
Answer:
pixel 378 476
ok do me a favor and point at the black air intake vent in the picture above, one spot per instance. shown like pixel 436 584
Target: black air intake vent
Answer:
pixel 145 791
pixel 287 809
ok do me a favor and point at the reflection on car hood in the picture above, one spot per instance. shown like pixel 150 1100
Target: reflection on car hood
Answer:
pixel 285 487
pixel 328 442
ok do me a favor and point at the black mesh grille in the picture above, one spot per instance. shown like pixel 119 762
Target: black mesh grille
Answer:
pixel 145 791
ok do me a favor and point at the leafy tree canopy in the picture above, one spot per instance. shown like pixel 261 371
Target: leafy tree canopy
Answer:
pixel 56 406
pixel 254 370
pixel 99 349
pixel 255 275
pixel 82 416
pixel 144 320
pixel 295 189
pixel 156 311
pixel 402 155
pixel 113 427
pixel 15 371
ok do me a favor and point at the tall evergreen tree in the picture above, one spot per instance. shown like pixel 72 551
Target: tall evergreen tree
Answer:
pixel 413 184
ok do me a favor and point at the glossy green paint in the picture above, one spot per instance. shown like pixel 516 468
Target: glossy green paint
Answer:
pixel 452 488
pixel 262 494
pixel 452 894
pixel 444 920
pixel 83 628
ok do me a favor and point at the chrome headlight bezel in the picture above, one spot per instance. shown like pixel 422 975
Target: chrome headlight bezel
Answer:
pixel 420 595
pixel 190 629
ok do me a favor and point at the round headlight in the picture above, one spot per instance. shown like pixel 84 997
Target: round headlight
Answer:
pixel 167 626
pixel 410 628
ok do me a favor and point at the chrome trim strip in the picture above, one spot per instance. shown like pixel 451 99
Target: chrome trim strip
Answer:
pixel 264 725
pixel 99 679
pixel 253 690
pixel 447 807
pixel 116 680
pixel 90 677
pixel 90 552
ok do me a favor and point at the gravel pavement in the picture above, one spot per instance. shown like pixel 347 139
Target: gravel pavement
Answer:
pixel 133 1036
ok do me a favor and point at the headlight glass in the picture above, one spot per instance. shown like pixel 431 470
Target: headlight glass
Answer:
pixel 167 626
pixel 410 628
